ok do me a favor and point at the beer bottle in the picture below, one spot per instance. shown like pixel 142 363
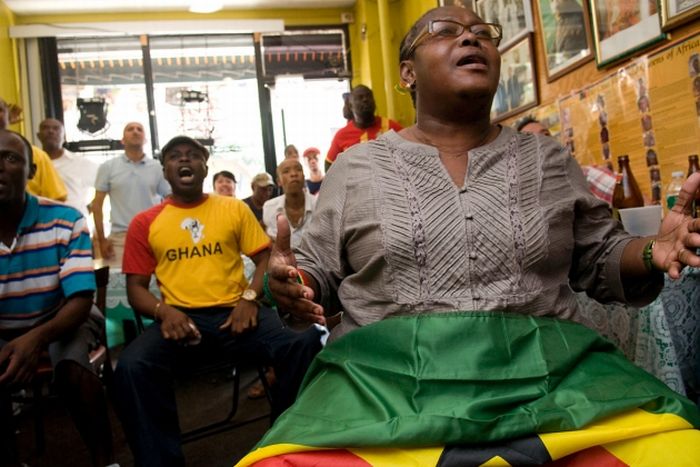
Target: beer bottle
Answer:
pixel 693 164
pixel 692 168
pixel 627 193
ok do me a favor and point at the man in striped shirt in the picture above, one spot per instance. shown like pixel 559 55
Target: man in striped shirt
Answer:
pixel 46 287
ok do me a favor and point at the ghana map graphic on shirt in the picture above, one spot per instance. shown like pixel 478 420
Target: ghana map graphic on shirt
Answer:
pixel 195 227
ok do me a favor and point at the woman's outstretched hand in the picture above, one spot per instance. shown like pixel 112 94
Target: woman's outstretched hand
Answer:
pixel 290 295
pixel 679 235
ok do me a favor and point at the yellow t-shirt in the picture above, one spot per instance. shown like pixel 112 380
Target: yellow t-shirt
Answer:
pixel 195 249
pixel 46 181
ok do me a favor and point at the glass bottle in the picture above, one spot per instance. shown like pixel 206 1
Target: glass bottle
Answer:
pixel 693 167
pixel 655 175
pixel 627 193
pixel 674 188
pixel 693 164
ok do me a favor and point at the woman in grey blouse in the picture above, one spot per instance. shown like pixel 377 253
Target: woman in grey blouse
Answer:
pixel 455 213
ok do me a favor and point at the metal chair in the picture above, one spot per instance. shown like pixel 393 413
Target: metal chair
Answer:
pixel 99 360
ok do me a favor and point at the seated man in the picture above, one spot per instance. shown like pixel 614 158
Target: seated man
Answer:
pixel 263 188
pixel 296 204
pixel 46 288
pixel 193 242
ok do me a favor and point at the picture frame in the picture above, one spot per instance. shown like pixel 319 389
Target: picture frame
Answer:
pixel 618 34
pixel 677 12
pixel 517 86
pixel 514 16
pixel 463 3
pixel 565 35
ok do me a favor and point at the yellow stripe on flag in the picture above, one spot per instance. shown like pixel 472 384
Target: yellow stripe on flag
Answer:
pixel 391 457
pixel 672 448
pixel 631 424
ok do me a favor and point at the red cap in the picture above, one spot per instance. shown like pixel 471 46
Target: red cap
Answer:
pixel 310 151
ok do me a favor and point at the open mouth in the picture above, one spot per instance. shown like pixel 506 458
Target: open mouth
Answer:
pixel 186 174
pixel 472 60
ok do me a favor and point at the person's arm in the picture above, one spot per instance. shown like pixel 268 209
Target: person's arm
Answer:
pixel 163 188
pixel 268 222
pixel 295 298
pixel 174 324
pixel 244 316
pixel 676 243
pixel 24 351
pixel 106 248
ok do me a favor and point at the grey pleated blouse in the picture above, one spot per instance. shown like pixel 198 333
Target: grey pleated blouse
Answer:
pixel 393 235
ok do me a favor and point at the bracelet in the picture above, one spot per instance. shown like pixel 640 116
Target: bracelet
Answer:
pixel 155 310
pixel 647 255
pixel 268 293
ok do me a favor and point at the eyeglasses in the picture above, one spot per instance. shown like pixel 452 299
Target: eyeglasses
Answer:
pixel 446 28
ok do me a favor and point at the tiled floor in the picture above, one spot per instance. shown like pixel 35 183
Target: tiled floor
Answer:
pixel 201 400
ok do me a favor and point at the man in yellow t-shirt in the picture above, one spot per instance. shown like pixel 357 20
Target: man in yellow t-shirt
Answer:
pixel 46 181
pixel 193 242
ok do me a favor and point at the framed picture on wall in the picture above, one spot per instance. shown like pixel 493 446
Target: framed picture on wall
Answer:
pixel 515 16
pixel 622 28
pixel 676 12
pixel 464 3
pixel 566 37
pixel 517 87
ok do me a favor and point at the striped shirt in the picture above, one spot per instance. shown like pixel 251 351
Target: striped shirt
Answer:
pixel 49 260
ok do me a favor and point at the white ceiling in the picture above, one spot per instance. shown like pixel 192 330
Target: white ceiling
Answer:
pixel 39 7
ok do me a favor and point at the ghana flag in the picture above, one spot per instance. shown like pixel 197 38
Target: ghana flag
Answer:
pixel 461 389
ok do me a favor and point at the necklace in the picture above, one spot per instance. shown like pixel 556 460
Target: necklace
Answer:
pixel 426 140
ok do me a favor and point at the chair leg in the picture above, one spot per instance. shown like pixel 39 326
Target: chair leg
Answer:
pixel 8 439
pixel 38 409
pixel 227 423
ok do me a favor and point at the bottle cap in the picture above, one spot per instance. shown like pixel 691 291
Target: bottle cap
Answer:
pixel 678 173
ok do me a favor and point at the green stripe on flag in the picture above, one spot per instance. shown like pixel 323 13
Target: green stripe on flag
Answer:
pixel 457 378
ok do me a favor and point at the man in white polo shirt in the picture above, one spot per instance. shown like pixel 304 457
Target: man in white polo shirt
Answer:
pixel 134 183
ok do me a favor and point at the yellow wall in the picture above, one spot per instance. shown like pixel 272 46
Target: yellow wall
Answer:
pixel 367 54
pixel 9 87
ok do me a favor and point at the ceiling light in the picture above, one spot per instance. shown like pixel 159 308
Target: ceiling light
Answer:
pixel 205 6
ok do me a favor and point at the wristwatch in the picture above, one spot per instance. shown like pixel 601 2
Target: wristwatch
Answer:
pixel 250 295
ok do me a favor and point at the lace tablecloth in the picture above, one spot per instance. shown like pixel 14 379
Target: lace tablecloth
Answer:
pixel 120 316
pixel 663 337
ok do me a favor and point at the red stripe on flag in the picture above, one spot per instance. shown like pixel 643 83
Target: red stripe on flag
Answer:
pixel 597 456
pixel 315 459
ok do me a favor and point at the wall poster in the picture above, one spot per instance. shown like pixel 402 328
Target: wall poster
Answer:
pixel 648 110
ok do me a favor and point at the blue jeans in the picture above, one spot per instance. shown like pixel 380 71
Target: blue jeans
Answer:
pixel 144 375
